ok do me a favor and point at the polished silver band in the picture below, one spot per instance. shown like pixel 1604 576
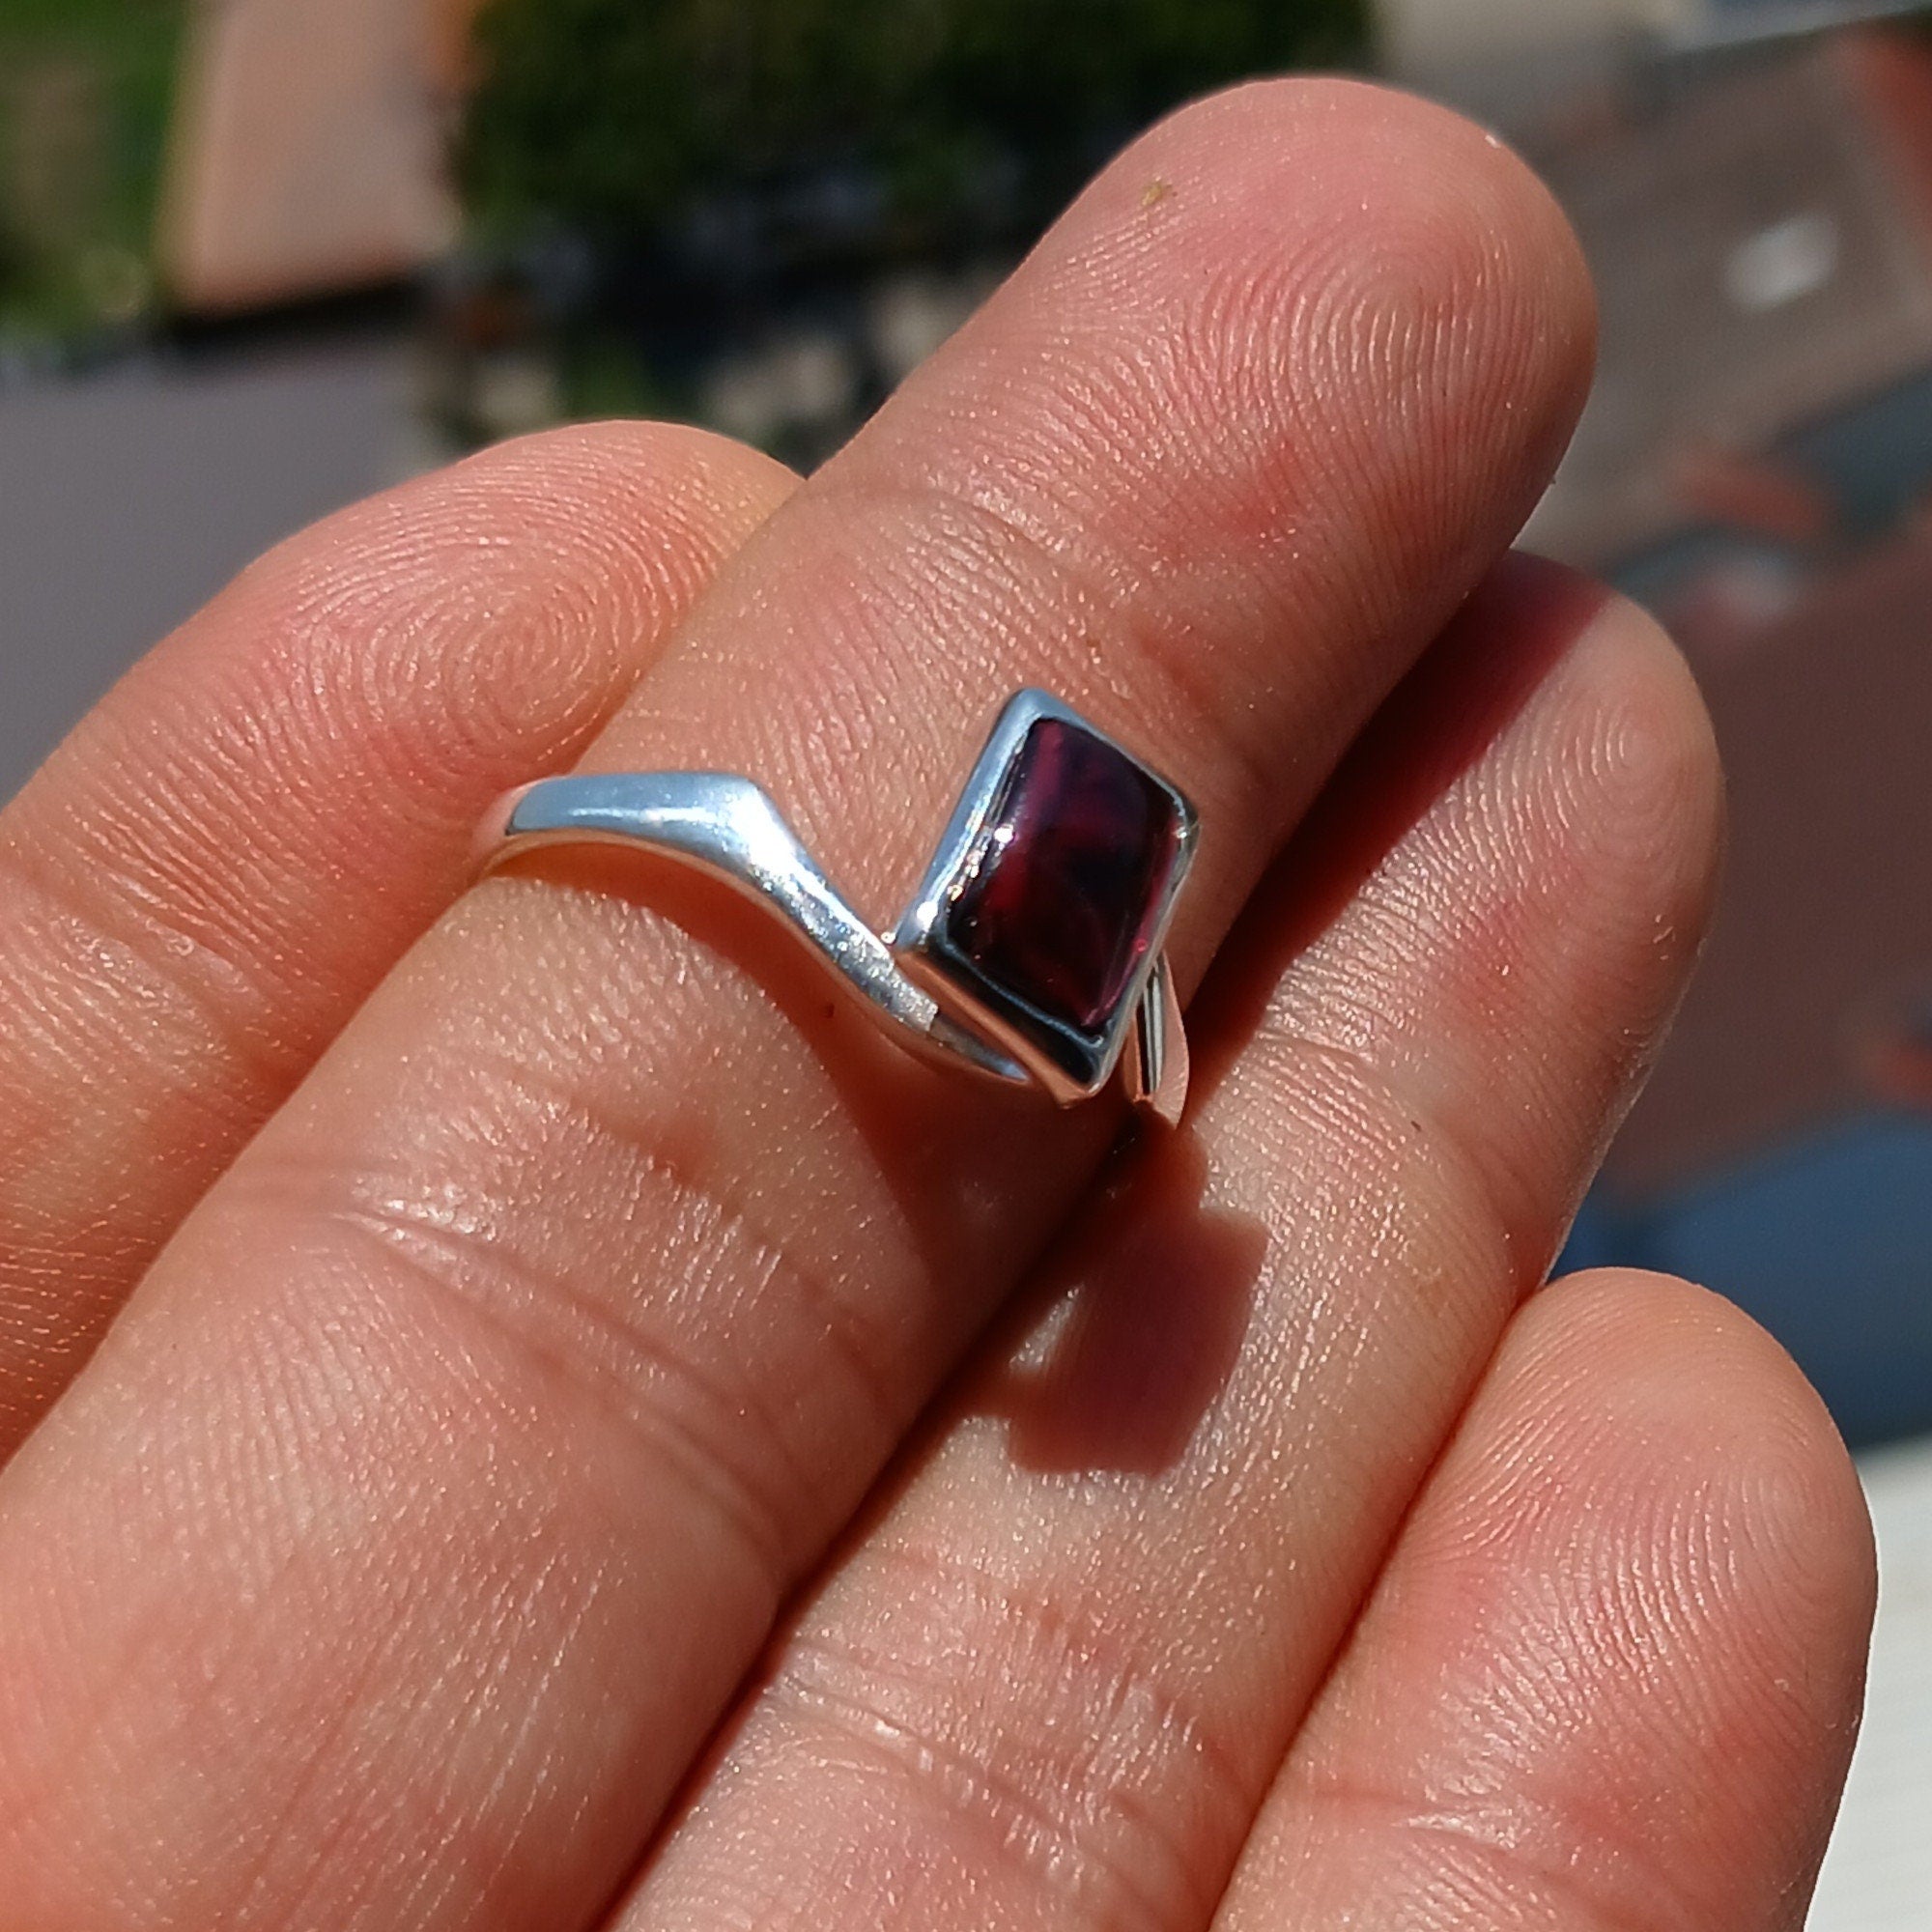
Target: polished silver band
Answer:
pixel 934 995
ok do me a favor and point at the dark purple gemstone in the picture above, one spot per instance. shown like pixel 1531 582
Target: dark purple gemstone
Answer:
pixel 1060 911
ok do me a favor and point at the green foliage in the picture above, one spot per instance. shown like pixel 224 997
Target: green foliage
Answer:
pixel 85 91
pixel 614 116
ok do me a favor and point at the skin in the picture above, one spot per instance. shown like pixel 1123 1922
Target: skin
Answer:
pixel 595 1435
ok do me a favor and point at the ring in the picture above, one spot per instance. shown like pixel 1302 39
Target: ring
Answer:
pixel 1032 953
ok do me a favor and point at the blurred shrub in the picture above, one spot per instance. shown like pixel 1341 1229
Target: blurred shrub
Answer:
pixel 85 86
pixel 896 125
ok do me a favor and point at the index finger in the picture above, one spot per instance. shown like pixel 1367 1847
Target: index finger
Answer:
pixel 208 877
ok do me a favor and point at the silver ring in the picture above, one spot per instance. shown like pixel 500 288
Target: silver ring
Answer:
pixel 1032 953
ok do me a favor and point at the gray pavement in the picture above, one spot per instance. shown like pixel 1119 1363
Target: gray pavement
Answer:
pixel 128 496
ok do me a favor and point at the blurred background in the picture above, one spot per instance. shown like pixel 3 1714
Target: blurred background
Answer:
pixel 259 257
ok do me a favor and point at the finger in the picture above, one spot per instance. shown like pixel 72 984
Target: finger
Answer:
pixel 210 875
pixel 1052 1685
pixel 545 1339
pixel 1612 1673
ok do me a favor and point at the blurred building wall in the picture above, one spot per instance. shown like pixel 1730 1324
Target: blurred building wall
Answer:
pixel 307 155
pixel 1421 39
pixel 1762 245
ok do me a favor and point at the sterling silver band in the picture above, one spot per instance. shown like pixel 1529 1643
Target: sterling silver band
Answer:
pixel 726 827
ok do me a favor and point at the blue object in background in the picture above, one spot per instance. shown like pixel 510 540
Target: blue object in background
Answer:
pixel 1826 1241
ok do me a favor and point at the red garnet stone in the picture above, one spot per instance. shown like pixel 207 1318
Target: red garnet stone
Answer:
pixel 1060 911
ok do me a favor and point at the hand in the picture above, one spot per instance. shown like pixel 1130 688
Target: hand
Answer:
pixel 474 1517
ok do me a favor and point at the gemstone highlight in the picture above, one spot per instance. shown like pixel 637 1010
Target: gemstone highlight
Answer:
pixel 1059 905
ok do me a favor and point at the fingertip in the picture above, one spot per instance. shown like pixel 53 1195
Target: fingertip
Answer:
pixel 1669 1542
pixel 1612 1671
pixel 1642 790
pixel 1421 245
pixel 1707 1400
pixel 1308 318
pixel 680 463
pixel 1598 810
pixel 646 509
pixel 1524 850
pixel 1673 1471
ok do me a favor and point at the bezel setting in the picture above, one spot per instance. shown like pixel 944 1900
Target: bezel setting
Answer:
pixel 1070 1060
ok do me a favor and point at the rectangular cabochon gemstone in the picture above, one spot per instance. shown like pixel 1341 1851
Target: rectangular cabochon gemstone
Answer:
pixel 1059 900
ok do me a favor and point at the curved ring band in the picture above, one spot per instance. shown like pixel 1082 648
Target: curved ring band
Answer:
pixel 1032 953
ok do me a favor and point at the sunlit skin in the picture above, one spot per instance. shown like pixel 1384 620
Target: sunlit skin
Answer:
pixel 593 1436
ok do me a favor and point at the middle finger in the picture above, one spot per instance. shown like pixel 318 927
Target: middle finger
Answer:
pixel 451 1464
